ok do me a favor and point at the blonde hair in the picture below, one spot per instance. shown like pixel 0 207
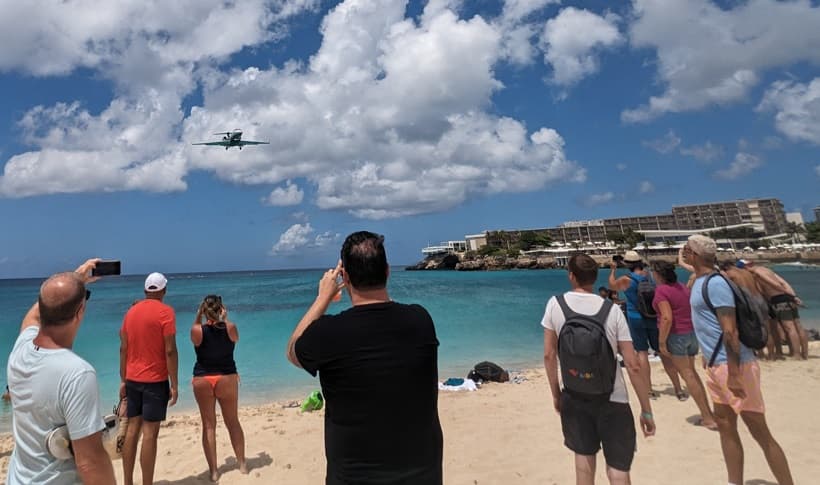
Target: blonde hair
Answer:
pixel 211 308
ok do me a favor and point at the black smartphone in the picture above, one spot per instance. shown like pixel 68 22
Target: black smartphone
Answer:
pixel 106 268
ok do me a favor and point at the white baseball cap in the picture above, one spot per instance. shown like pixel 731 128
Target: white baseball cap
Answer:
pixel 155 282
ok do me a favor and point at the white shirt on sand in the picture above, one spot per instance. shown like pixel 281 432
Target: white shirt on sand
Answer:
pixel 49 388
pixel 616 328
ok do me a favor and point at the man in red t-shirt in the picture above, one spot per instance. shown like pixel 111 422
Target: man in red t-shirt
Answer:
pixel 148 361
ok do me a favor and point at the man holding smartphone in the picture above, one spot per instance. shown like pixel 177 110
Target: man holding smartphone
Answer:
pixel 148 361
pixel 51 387
pixel 378 366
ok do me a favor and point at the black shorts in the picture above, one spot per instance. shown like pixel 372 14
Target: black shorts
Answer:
pixel 148 399
pixel 587 425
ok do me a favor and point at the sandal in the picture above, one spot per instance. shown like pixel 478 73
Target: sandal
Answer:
pixel 713 427
pixel 682 396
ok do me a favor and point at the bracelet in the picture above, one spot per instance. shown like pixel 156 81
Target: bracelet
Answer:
pixel 646 415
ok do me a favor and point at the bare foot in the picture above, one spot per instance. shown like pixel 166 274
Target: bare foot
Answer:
pixel 214 476
pixel 243 467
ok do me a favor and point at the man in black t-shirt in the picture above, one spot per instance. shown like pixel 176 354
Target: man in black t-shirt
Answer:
pixel 378 366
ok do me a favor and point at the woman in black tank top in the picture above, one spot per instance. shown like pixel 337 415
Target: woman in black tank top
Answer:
pixel 215 379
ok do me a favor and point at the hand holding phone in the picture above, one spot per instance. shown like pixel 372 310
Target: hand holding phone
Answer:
pixel 106 268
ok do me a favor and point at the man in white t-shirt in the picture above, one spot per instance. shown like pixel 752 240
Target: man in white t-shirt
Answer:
pixel 590 424
pixel 51 387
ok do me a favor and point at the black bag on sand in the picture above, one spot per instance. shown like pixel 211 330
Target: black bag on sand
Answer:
pixel 587 361
pixel 488 372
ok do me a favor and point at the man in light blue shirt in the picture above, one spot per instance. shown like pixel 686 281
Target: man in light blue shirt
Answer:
pixel 733 379
pixel 52 387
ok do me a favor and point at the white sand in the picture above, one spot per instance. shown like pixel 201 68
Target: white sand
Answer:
pixel 509 434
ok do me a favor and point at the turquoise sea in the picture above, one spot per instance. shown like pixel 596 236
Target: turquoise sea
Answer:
pixel 478 315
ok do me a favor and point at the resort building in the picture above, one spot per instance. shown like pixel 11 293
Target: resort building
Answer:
pixel 817 214
pixel 747 219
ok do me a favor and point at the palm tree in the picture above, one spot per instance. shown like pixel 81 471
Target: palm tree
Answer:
pixel 794 230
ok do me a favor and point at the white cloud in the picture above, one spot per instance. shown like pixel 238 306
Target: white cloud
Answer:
pixel 817 170
pixel 797 108
pixel 150 50
pixel 646 187
pixel 665 145
pixel 599 199
pixel 388 118
pixel 295 237
pixel 300 236
pixel 290 194
pixel 620 167
pixel 708 55
pixel 707 153
pixel 743 164
pixel 517 31
pixel 572 40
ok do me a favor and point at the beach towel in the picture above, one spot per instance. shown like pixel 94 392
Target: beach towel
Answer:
pixel 466 385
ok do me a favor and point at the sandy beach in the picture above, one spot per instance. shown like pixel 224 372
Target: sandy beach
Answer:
pixel 509 434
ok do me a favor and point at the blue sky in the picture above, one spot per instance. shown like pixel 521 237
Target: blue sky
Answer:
pixel 425 121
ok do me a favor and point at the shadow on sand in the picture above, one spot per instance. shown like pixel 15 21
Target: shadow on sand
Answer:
pixel 758 481
pixel 259 461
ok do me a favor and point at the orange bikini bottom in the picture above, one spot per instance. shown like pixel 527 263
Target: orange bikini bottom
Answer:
pixel 213 379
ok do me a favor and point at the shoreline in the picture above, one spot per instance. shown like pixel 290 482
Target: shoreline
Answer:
pixel 286 446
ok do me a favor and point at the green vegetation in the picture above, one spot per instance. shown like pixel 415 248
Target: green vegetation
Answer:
pixel 813 232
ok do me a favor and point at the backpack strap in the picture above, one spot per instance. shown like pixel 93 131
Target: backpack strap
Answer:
pixel 603 313
pixel 568 312
pixel 600 317
pixel 705 293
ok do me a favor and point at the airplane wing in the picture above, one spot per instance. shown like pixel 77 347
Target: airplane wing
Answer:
pixel 214 143
pixel 243 143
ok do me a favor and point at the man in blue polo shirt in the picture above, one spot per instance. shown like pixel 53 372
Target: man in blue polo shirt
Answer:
pixel 733 378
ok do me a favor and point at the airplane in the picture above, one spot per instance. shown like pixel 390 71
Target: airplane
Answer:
pixel 232 139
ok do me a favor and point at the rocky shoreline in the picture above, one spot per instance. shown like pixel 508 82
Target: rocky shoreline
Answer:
pixel 496 263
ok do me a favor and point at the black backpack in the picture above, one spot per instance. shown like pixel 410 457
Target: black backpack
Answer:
pixel 646 293
pixel 588 363
pixel 488 372
pixel 751 324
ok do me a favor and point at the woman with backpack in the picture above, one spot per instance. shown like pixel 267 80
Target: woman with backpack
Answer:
pixel 639 288
pixel 677 335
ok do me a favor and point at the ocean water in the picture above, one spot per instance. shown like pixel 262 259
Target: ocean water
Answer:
pixel 478 315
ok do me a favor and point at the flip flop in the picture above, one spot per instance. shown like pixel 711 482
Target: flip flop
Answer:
pixel 699 422
pixel 682 396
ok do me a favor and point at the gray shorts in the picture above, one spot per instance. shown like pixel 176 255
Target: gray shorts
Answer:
pixel 682 344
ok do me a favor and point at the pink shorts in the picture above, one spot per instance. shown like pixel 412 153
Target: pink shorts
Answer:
pixel 716 382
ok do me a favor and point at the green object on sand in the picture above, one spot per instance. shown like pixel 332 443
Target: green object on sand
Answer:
pixel 314 402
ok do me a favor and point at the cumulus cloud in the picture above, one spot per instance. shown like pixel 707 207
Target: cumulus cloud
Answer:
pixel 665 145
pixel 646 187
pixel 301 236
pixel 290 194
pixel 518 31
pixel 707 153
pixel 572 41
pixel 743 164
pixel 708 55
pixel 797 109
pixel 388 118
pixel 599 199
pixel 151 51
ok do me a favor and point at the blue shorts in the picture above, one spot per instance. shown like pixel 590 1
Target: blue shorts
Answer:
pixel 644 332
pixel 682 344
pixel 147 399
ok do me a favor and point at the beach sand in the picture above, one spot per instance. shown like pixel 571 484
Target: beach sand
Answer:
pixel 509 434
